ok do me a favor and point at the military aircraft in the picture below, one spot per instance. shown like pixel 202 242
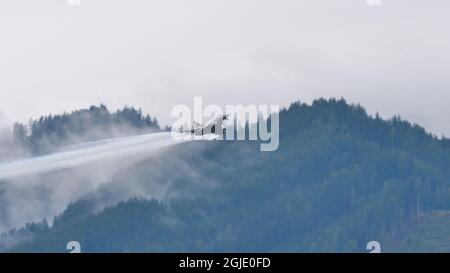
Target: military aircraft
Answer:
pixel 214 126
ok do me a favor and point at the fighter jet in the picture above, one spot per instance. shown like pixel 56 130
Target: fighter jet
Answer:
pixel 214 126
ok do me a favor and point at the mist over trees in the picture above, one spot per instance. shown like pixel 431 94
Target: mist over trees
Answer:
pixel 339 179
pixel 49 133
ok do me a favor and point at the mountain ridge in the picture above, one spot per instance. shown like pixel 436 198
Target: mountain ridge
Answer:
pixel 339 179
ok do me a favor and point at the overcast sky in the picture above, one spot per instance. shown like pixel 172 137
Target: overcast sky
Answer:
pixel 154 54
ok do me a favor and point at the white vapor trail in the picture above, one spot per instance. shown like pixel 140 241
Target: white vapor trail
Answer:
pixel 42 187
pixel 116 148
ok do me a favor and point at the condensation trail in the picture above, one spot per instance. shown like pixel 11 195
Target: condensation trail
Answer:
pixel 81 154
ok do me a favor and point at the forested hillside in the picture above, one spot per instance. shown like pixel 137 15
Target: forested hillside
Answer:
pixel 339 179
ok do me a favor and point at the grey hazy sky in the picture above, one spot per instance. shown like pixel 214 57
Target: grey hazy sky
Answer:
pixel 393 58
